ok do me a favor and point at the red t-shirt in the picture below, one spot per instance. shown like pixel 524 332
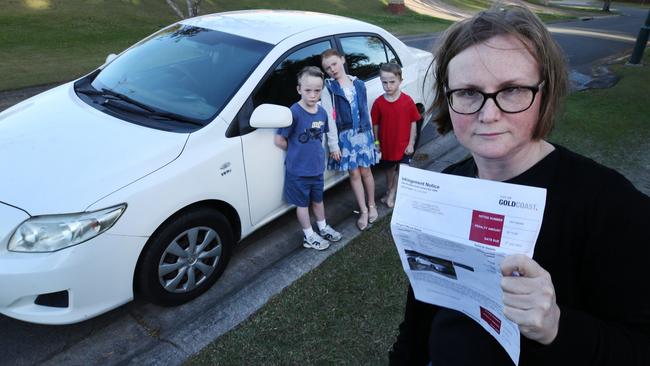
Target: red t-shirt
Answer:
pixel 394 120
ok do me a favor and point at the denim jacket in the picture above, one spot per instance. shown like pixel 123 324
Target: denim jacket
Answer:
pixel 345 120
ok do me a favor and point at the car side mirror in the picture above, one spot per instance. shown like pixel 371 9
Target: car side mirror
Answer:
pixel 271 116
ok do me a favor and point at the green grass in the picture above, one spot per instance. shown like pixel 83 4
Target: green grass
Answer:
pixel 346 311
pixel 52 41
pixel 611 125
pixel 49 41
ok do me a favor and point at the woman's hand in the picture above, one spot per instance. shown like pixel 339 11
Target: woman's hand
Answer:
pixel 409 149
pixel 336 155
pixel 529 298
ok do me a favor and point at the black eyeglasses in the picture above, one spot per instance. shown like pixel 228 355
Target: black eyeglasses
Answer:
pixel 513 99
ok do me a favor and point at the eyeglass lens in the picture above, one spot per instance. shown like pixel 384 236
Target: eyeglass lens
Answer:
pixel 510 100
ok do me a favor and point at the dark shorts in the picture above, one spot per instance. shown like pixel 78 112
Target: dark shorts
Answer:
pixel 385 164
pixel 301 191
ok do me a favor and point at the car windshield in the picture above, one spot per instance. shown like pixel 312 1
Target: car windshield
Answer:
pixel 184 70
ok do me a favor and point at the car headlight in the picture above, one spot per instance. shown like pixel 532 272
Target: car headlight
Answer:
pixel 50 233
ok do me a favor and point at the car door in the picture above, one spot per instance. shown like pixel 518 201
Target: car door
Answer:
pixel 263 161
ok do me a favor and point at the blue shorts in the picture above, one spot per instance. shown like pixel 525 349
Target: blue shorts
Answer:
pixel 301 191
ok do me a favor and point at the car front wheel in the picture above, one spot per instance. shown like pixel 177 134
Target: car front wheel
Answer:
pixel 185 257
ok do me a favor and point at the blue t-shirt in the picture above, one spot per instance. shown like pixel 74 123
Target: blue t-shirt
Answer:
pixel 305 152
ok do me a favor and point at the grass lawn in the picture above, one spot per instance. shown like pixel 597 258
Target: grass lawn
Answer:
pixel 49 41
pixel 347 311
pixel 344 312
pixel 52 41
pixel 611 125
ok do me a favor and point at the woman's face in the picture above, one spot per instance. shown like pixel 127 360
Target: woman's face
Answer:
pixel 498 63
pixel 333 66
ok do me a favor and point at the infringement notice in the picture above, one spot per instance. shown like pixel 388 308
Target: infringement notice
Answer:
pixel 452 233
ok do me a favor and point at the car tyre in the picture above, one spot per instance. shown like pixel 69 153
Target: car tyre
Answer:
pixel 185 257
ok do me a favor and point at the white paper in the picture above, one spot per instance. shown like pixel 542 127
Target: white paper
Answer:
pixel 453 232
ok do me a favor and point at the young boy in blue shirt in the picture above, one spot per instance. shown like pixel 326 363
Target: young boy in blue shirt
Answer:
pixel 305 161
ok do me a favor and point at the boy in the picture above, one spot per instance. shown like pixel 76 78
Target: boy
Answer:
pixel 305 161
pixel 394 118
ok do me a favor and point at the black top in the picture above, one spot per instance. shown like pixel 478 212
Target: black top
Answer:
pixel 594 243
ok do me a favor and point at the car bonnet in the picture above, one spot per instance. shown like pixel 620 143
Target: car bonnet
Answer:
pixel 58 155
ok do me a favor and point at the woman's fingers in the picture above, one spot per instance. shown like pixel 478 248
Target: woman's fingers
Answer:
pixel 529 298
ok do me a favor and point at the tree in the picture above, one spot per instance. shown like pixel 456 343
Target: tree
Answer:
pixel 606 5
pixel 192 8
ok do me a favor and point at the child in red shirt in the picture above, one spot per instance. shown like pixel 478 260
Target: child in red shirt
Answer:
pixel 394 116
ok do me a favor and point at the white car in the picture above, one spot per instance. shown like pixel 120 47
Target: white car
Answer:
pixel 141 176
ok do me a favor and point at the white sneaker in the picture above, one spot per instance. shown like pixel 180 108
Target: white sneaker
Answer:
pixel 328 233
pixel 314 241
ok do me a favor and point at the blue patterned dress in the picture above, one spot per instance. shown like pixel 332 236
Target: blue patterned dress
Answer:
pixel 357 148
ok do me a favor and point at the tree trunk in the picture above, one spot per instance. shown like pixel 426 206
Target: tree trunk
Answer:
pixel 175 8
pixel 606 5
pixel 396 6
pixel 192 8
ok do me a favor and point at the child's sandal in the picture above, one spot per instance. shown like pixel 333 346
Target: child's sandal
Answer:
pixel 372 213
pixel 362 222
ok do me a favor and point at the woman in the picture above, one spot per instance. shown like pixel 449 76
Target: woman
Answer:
pixel 500 80
pixel 350 140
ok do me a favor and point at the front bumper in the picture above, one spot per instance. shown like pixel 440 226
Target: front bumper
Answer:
pixel 97 276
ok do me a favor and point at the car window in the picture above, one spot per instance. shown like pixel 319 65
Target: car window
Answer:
pixel 185 70
pixel 364 54
pixel 280 85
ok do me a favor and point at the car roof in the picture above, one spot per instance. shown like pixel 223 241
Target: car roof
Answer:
pixel 271 26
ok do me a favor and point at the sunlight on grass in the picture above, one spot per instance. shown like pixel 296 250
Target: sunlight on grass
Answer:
pixel 38 4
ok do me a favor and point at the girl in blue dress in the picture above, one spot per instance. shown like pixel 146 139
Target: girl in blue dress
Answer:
pixel 350 140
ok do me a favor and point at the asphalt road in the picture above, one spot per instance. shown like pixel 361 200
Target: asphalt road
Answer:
pixel 263 264
pixel 585 42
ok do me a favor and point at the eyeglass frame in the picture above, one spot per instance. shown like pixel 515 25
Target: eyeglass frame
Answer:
pixel 535 89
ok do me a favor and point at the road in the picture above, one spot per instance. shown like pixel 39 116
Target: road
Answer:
pixel 263 264
pixel 585 42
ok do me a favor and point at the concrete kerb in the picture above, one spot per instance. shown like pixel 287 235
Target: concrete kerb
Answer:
pixel 176 347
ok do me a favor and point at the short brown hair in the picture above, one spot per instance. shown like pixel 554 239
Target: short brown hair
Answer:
pixel 392 68
pixel 517 21
pixel 330 52
pixel 310 71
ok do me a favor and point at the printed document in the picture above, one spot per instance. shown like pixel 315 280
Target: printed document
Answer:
pixel 452 234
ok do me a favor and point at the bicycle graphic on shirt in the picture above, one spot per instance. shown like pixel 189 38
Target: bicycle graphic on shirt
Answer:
pixel 314 133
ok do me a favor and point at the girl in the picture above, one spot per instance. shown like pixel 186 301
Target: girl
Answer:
pixel 350 140
pixel 394 118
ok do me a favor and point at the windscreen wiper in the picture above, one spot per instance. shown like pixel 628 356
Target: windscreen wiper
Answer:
pixel 149 110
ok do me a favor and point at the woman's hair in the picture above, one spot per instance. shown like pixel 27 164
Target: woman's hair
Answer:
pixel 517 21
pixel 309 71
pixel 330 52
pixel 392 68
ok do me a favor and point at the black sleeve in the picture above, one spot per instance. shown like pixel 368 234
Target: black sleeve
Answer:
pixel 612 327
pixel 411 346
